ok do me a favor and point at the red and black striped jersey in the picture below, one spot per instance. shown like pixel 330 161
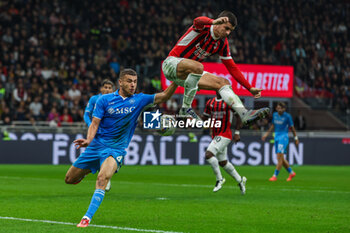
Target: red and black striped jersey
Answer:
pixel 200 42
pixel 217 109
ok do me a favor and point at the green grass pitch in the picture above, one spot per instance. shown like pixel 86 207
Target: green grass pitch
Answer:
pixel 177 199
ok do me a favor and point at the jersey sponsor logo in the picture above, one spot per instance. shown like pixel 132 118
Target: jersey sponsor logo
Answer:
pixel 279 122
pixel 200 53
pixel 124 110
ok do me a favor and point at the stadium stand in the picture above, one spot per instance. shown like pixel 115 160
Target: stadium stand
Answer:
pixel 54 54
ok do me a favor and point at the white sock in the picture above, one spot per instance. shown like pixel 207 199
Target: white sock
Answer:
pixel 215 166
pixel 191 87
pixel 230 169
pixel 232 100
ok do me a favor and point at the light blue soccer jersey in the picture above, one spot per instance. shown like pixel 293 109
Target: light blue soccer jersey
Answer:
pixel 119 118
pixel 90 108
pixel 282 124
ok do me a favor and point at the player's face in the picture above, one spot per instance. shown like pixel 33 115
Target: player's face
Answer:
pixel 280 110
pixel 128 84
pixel 106 89
pixel 224 30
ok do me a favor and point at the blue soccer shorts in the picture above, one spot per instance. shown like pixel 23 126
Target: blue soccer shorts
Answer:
pixel 281 143
pixel 95 154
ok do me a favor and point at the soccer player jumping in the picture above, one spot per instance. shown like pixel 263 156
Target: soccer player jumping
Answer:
pixel 281 121
pixel 112 127
pixel 183 65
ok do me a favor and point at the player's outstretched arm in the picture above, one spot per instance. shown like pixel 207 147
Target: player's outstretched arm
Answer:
pixel 268 132
pixel 90 135
pixel 166 94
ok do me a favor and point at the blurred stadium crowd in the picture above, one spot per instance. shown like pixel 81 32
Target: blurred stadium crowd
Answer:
pixel 54 54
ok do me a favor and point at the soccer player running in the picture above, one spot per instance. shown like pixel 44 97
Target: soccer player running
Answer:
pixel 216 153
pixel 112 127
pixel 107 87
pixel 183 65
pixel 281 121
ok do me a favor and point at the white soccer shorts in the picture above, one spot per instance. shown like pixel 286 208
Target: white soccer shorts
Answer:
pixel 169 67
pixel 218 147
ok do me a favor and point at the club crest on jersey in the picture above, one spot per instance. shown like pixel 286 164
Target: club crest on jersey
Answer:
pixel 132 101
pixel 110 110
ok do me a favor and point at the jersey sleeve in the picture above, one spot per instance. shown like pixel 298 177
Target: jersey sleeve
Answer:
pixel 100 108
pixel 207 110
pixel 147 99
pixel 88 111
pixel 200 22
pixel 231 66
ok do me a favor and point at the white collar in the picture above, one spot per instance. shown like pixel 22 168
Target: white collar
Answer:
pixel 212 33
pixel 218 99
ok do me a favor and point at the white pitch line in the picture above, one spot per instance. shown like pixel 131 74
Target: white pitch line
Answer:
pixel 91 225
pixel 260 187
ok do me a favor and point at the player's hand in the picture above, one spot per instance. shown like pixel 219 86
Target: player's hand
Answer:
pixel 220 20
pixel 296 142
pixel 79 143
pixel 256 92
pixel 263 138
pixel 236 138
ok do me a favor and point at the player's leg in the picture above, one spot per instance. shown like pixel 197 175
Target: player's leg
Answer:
pixel 214 163
pixel 185 73
pixel 280 157
pixel 223 86
pixel 229 168
pixel 289 170
pixel 287 166
pixel 108 168
pixel 191 71
pixel 74 175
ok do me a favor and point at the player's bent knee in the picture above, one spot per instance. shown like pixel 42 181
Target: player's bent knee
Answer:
pixel 223 163
pixel 208 155
pixel 197 69
pixel 223 82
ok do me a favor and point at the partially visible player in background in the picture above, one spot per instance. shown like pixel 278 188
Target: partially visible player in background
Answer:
pixel 216 153
pixel 110 132
pixel 107 87
pixel 183 66
pixel 281 121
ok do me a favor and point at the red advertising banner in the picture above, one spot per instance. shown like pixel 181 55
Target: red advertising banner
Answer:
pixel 276 81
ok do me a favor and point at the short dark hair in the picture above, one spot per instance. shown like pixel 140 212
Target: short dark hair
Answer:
pixel 108 82
pixel 282 104
pixel 127 71
pixel 231 17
